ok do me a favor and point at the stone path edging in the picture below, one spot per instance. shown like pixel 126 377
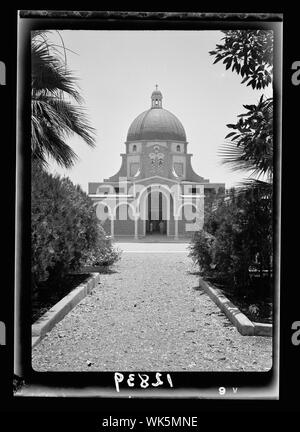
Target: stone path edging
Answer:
pixel 47 321
pixel 238 319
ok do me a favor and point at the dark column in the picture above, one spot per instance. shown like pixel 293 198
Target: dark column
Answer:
pixel 149 210
pixel 160 205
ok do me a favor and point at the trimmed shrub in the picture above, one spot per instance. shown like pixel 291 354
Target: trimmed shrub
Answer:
pixel 201 250
pixel 103 254
pixel 65 231
pixel 236 240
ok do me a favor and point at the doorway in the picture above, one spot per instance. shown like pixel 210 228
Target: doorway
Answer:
pixel 156 227
pixel 156 223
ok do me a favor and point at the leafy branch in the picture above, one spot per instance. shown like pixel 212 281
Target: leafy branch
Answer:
pixel 251 142
pixel 249 54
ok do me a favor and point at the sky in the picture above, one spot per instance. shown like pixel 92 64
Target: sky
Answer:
pixel 117 72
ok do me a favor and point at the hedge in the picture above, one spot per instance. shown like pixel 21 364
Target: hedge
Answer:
pixel 236 241
pixel 65 231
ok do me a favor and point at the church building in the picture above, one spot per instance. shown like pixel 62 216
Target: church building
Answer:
pixel 156 191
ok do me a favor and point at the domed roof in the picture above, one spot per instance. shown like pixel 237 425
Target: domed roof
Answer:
pixel 156 123
pixel 156 93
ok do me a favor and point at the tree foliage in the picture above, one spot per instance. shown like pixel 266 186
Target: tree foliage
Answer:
pixel 250 147
pixel 56 106
pixel 249 54
pixel 241 225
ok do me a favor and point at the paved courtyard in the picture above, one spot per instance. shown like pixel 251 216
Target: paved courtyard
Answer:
pixel 149 314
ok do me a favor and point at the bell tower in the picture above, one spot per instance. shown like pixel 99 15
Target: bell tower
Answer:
pixel 156 98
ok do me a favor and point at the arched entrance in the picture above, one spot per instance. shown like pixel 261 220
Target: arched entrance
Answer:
pixel 155 210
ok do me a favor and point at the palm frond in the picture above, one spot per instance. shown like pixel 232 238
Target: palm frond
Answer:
pixel 233 155
pixel 49 74
pixel 47 143
pixel 64 117
pixel 54 117
pixel 250 146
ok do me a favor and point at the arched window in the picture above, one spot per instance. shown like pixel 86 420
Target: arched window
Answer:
pixel 178 148
pixel 134 148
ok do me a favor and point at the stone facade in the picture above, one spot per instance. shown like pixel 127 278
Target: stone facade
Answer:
pixel 156 190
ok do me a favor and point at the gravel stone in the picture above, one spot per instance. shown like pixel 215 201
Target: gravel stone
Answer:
pixel 149 314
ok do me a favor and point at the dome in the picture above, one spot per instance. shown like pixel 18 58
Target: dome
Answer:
pixel 156 123
pixel 156 93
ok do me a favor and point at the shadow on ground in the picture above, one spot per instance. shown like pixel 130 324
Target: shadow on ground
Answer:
pixel 199 289
pixel 100 269
pixel 193 273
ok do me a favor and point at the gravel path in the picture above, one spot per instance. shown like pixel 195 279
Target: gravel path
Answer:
pixel 149 314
